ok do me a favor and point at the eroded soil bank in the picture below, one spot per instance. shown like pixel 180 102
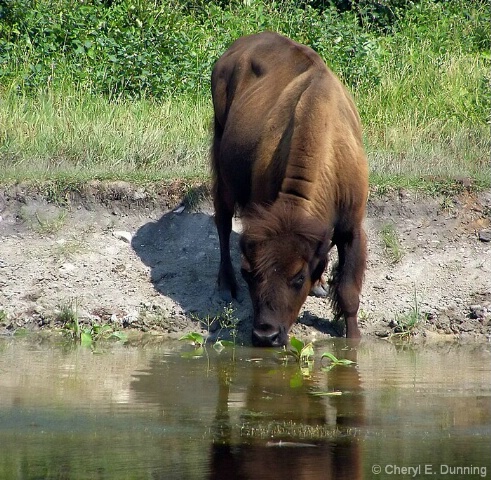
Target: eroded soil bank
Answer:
pixel 145 259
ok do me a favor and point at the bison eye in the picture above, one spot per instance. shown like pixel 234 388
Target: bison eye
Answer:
pixel 298 281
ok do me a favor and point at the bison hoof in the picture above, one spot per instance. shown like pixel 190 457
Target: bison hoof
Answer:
pixel 225 295
pixel 228 296
pixel 318 290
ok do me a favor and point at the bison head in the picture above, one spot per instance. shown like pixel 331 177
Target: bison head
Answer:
pixel 284 252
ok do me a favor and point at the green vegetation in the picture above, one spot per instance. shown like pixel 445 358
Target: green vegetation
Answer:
pixel 42 222
pixel 120 89
pixel 86 335
pixel 303 353
pixel 391 244
pixel 407 323
pixel 222 321
pixel 335 361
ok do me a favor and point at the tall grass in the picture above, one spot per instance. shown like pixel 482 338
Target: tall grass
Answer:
pixel 87 136
pixel 421 120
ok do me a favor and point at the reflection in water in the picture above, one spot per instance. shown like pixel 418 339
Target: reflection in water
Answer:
pixel 270 402
pixel 153 413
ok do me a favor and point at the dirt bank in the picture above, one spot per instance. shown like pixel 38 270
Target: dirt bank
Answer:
pixel 128 256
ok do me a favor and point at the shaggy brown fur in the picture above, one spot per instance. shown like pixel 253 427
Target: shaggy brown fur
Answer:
pixel 287 151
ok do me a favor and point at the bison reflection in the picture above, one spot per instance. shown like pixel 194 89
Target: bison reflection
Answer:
pixel 271 401
pixel 287 152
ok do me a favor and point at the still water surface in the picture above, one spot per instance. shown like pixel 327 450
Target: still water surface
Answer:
pixel 154 412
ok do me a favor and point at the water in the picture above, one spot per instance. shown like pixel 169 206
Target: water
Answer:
pixel 156 412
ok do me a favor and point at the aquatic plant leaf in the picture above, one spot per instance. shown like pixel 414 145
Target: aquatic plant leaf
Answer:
pixel 336 361
pixel 307 352
pixel 197 353
pixel 219 345
pixel 344 361
pixel 121 336
pixel 297 344
pixel 86 339
pixel 330 356
pixel 195 337
pixel 306 369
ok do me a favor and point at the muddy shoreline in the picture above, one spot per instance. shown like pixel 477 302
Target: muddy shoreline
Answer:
pixel 144 259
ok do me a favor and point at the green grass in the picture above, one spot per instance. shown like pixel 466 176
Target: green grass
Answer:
pixel 408 322
pixel 120 103
pixel 422 119
pixel 391 244
pixel 76 135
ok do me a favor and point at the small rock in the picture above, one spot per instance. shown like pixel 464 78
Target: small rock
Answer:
pixel 393 324
pixel 381 334
pixel 467 326
pixel 122 235
pixel 477 311
pixel 179 209
pixel 485 235
pixel 139 194
pixel 67 268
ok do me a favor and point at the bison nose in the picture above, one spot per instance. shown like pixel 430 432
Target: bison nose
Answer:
pixel 267 336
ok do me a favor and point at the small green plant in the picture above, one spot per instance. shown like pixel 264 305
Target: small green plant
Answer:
pixel 68 249
pixel 43 224
pixel 195 194
pixel 407 323
pixel 363 315
pixel 197 339
pixel 391 244
pixel 3 315
pixel 226 321
pixel 335 362
pixel 85 335
pixel 68 316
pixel 447 204
pixel 303 353
pixel 52 225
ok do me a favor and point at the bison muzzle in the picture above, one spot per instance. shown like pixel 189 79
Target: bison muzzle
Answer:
pixel 288 154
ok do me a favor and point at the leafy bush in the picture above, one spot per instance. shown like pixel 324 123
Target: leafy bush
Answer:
pixel 134 48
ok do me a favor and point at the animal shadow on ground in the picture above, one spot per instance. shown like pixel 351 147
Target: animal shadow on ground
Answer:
pixel 182 252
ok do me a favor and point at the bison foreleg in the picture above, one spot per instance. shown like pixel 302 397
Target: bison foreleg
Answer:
pixel 227 284
pixel 348 278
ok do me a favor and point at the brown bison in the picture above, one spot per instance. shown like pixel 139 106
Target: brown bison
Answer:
pixel 288 153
